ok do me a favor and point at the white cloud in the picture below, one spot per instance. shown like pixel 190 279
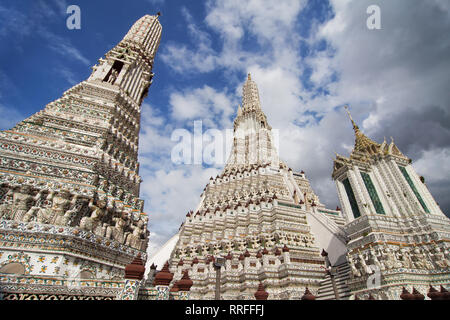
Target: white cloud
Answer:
pixel 66 74
pixel 206 104
pixel 170 194
pixel 22 25
pixel 269 23
pixel 156 2
pixel 268 20
pixel 9 117
pixel 432 159
pixel 62 45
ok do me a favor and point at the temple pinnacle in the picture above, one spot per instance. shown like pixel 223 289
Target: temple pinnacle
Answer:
pixel 355 127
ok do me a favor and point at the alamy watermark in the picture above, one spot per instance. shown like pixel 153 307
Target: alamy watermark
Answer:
pixel 374 280
pixel 373 22
pixel 213 146
pixel 73 21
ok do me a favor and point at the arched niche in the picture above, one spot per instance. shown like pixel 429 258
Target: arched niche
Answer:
pixel 13 268
pixel 86 274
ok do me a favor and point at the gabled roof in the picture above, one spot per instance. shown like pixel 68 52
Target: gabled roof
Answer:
pixel 365 148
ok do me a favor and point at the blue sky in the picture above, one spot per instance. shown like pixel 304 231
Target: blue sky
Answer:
pixel 309 58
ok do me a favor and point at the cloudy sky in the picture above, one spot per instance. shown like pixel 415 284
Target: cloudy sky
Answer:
pixel 309 59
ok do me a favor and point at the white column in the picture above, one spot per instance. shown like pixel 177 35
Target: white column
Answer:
pixel 345 203
pixel 370 207
pixel 424 192
pixel 395 189
pixel 380 191
pixel 130 78
pixel 137 83
pixel 133 80
pixel 286 257
pixel 130 290
pixel 412 200
pixel 356 187
pixel 388 203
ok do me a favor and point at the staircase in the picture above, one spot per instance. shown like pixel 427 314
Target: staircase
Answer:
pixel 326 291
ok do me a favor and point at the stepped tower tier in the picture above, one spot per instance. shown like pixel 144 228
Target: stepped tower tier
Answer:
pixel 253 141
pixel 263 218
pixel 71 170
pixel 392 220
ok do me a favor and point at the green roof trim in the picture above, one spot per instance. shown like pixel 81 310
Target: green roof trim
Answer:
pixel 372 193
pixel 413 187
pixel 289 205
pixel 351 198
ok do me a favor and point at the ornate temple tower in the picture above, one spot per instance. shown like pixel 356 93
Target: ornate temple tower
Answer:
pixel 397 231
pixel 69 174
pixel 253 141
pixel 260 216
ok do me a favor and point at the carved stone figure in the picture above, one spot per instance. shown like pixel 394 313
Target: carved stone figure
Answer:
pixel 308 240
pixel 6 206
pixel 112 189
pixel 120 193
pixel 388 257
pixel 228 245
pixel 117 232
pixel 113 76
pixel 439 258
pixel 363 265
pixel 418 258
pixel 254 241
pixel 39 204
pixel 355 272
pixel 404 256
pixel 374 259
pixel 61 203
pixel 103 186
pixel 22 202
pixel 65 219
pixel 283 239
pixel 241 244
pixel 270 240
pixel 428 258
pixel 135 238
pixel 182 252
pixel 93 222
pixel 205 249
pixel 291 240
pixel 217 248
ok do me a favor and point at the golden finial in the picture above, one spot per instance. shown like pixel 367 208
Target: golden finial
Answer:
pixel 351 119
pixel 249 77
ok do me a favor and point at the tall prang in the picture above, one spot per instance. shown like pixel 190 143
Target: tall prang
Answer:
pixel 398 235
pixel 253 141
pixel 260 216
pixel 69 175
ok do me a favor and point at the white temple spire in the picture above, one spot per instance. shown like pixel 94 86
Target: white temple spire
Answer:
pixel 252 134
pixel 250 95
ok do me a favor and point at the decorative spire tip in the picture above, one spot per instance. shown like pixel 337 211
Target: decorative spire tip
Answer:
pixel 355 127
